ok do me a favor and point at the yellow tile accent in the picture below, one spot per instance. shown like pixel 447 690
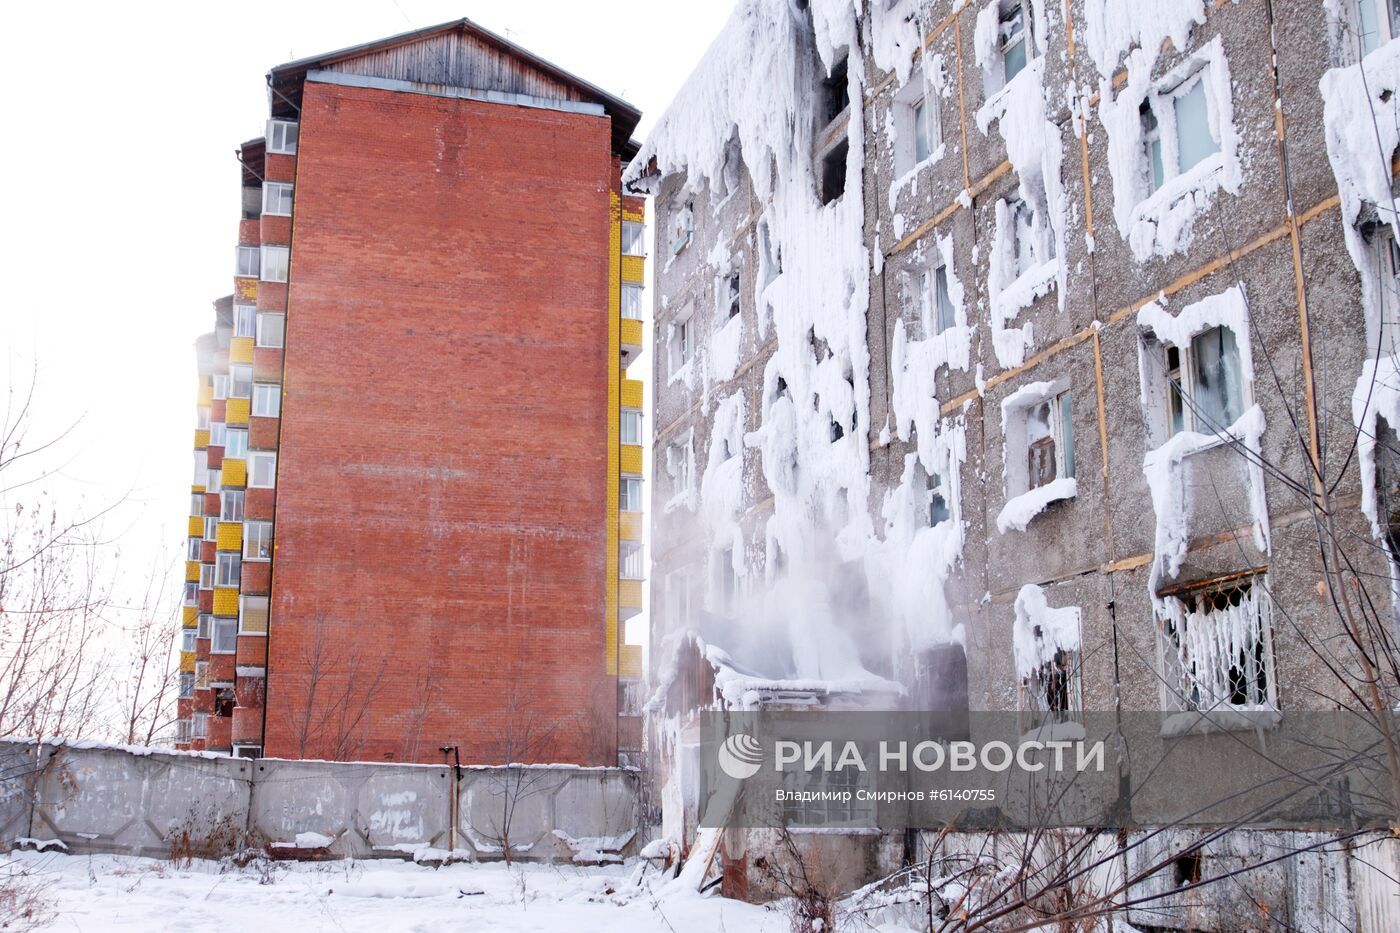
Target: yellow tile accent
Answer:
pixel 191 616
pixel 191 570
pixel 240 350
pixel 195 489
pixel 201 438
pixel 629 593
pixel 631 393
pixel 247 289
pixel 225 601
pixel 236 412
pixel 235 473
pixel 196 529
pixel 631 459
pixel 229 536
pixel 631 662
pixel 631 332
pixel 186 662
pixel 610 633
pixel 206 395
pixel 633 270
pixel 630 526
pixel 636 217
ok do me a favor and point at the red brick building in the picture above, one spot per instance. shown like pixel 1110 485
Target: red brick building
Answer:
pixel 415 483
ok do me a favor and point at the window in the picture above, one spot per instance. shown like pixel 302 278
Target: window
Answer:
pixel 632 302
pixel 632 563
pixel 201 675
pixel 186 685
pixel 247 262
pixel 1216 647
pixel 240 380
pixel 211 528
pixel 262 469
pixel 245 318
pixel 187 639
pixel 917 128
pixel 225 637
pixel 274 263
pixel 1176 131
pixel 682 225
pixel 215 481
pixel 277 198
pixel 231 505
pixel 836 94
pixel 924 123
pixel 201 468
pixel 833 172
pixel 1377 22
pixel 1049 441
pixel 247 751
pixel 267 400
pixel 193 549
pixel 938 301
pixel 1030 242
pixel 225 699
pixel 726 581
pixel 218 434
pixel 281 137
pixel 732 294
pixel 252 615
pixel 630 494
pixel 236 443
pixel 197 503
pixel 678 465
pixel 201 419
pixel 221 385
pixel 1012 44
pixel 257 540
pixel 200 728
pixel 206 576
pixel 206 624
pixel 631 427
pixel 937 502
pixel 1205 388
pixel 191 592
pixel 680 343
pixel 1052 689
pixel 270 329
pixel 183 728
pixel 226 569
pixel 824 798
pixel 633 239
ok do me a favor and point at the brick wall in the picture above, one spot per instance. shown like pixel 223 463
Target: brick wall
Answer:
pixel 441 502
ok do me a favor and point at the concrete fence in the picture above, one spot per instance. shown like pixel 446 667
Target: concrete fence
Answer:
pixel 136 801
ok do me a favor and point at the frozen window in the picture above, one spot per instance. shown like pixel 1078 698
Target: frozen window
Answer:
pixel 835 799
pixel 1217 647
pixel 1377 22
pixel 631 427
pixel 262 469
pixel 836 95
pixel 252 615
pixel 240 380
pixel 274 263
pixel 678 465
pixel 1152 145
pixel 270 328
pixel 682 225
pixel 277 198
pixel 632 302
pixel 632 561
pixel 1193 137
pixel 221 385
pixel 732 294
pixel 231 505
pixel 923 128
pixel 206 576
pixel 247 262
pixel 630 494
pixel 1176 130
pixel 1030 243
pixel 917 126
pixel 257 540
pixel 633 239
pixel 281 137
pixel 1052 688
pixel 941 313
pixel 225 636
pixel 226 569
pixel 1049 441
pixel 244 320
pixel 267 400
pixel 833 172
pixel 1205 389
pixel 679 343
pixel 1012 36
pixel 236 443
pixel 937 501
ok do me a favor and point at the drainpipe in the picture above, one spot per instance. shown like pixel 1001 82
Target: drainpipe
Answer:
pixel 454 803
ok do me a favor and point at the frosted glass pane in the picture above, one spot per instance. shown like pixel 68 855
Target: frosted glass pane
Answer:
pixel 1193 138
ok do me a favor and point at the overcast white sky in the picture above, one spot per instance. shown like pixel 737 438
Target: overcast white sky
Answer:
pixel 122 194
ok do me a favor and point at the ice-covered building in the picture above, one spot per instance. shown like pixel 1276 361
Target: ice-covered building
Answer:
pixel 1010 351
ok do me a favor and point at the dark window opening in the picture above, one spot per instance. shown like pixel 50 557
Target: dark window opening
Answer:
pixel 833 173
pixel 782 389
pixel 734 294
pixel 1051 684
pixel 1187 869
pixel 224 702
pixel 836 94
pixel 937 505
pixel 837 432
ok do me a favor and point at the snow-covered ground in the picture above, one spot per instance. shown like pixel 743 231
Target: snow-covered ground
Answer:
pixel 103 892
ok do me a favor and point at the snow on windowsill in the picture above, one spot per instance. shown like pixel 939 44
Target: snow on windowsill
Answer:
pixel 1229 719
pixel 902 182
pixel 1160 224
pixel 1018 512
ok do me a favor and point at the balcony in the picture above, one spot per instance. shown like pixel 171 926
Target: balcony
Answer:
pixel 632 393
pixel 631 340
pixel 186 662
pixel 237 410
pixel 229 536
pixel 629 526
pixel 235 474
pixel 629 459
pixel 629 665
pixel 240 350
pixel 226 601
pixel 629 598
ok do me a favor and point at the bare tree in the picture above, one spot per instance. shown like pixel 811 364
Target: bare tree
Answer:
pixel 330 691
pixel 523 738
pixel 146 684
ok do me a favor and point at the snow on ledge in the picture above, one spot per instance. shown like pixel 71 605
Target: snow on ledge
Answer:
pixel 1018 512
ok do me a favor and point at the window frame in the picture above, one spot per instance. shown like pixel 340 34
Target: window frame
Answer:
pixel 236 380
pixel 238 451
pixel 630 302
pixel 283 199
pixel 206 576
pixel 634 417
pixel 227 497
pixel 276 135
pixel 247 262
pixel 243 602
pixel 263 539
pixel 223 636
pixel 634 238
pixel 268 271
pixel 631 560
pixel 1181 389
pixel 260 339
pixel 222 384
pixel 1385 28
pixel 1182 689
pixel 228 569
pixel 629 490
pixel 263 391
pixel 1017 10
pixel 245 320
pixel 256 457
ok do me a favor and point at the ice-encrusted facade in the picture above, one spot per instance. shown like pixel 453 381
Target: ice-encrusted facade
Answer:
pixel 994 345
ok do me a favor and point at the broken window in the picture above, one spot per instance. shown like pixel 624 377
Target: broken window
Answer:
pixel 1205 387
pixel 1029 243
pixel 732 292
pixel 835 93
pixel 1049 441
pixel 1217 646
pixel 937 503
pixel 1052 689
pixel 224 702
pixel 833 172
pixel 633 239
